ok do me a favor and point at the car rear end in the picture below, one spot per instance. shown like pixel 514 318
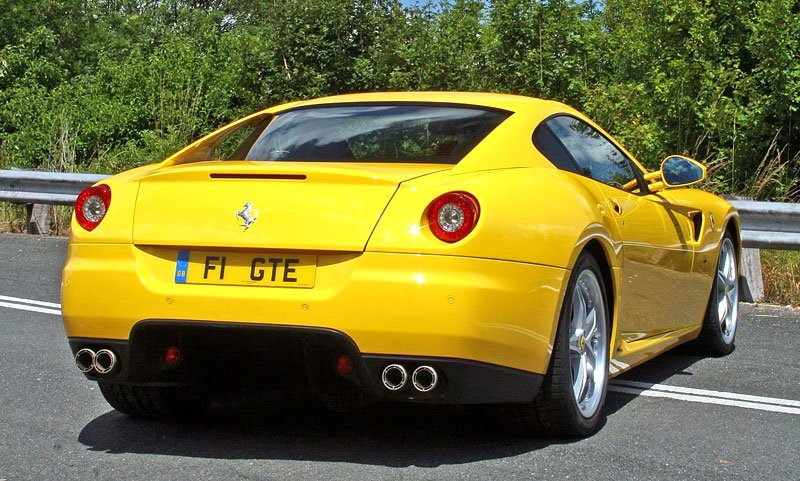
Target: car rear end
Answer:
pixel 352 261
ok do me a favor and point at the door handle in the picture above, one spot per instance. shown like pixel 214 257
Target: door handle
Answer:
pixel 615 206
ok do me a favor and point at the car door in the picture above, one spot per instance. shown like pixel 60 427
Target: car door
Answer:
pixel 656 250
pixel 694 216
pixel 657 263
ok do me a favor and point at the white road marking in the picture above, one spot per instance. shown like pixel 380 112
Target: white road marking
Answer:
pixel 705 392
pixel 30 301
pixel 761 403
pixel 30 305
pixel 637 388
pixel 616 366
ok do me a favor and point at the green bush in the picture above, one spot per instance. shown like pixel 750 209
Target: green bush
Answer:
pixel 102 85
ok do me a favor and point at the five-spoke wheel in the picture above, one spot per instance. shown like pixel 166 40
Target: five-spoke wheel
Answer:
pixel 719 327
pixel 588 343
pixel 727 291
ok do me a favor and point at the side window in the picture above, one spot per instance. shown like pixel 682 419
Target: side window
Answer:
pixel 595 156
pixel 551 148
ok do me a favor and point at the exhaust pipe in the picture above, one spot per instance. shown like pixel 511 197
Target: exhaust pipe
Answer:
pixel 394 377
pixel 105 361
pixel 84 359
pixel 425 378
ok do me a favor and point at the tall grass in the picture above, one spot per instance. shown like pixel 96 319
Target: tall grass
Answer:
pixel 781 270
pixel 13 216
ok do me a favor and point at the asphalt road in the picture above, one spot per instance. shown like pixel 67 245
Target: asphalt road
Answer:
pixel 54 424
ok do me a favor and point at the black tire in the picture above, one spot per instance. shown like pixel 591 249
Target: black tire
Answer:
pixel 555 412
pixel 152 402
pixel 718 334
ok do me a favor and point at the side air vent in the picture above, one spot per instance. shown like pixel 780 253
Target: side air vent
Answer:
pixel 697 225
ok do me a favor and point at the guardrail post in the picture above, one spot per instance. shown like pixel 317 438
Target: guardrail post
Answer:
pixel 751 281
pixel 29 218
pixel 39 219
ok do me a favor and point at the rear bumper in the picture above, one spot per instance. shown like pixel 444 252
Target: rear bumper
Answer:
pixel 218 355
pixel 390 306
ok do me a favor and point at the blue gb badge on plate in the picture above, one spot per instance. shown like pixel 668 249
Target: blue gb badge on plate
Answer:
pixel 182 267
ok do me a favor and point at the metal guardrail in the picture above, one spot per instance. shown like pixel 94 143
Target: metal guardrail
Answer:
pixel 35 187
pixel 766 225
pixel 769 225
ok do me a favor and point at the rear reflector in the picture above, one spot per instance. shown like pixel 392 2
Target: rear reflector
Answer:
pixel 173 355
pixel 344 365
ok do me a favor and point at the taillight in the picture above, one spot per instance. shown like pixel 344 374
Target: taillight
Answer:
pixel 453 215
pixel 92 205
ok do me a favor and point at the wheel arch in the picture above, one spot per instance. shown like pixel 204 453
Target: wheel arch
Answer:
pixel 712 339
pixel 603 254
pixel 595 248
pixel 602 248
pixel 733 228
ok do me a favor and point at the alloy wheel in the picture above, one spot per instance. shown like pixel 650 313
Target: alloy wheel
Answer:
pixel 588 343
pixel 727 294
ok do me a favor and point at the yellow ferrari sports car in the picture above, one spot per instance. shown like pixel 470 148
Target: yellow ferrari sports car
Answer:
pixel 427 247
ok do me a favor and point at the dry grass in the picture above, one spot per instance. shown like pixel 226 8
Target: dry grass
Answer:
pixel 12 218
pixel 781 270
pixel 774 179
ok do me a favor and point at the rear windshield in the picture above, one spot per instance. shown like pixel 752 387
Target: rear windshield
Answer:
pixel 373 133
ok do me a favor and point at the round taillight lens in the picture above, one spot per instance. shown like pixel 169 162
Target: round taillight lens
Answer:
pixel 453 215
pixel 92 205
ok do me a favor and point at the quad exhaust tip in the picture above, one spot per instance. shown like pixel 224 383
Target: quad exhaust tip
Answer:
pixel 84 359
pixel 425 379
pixel 103 361
pixel 394 377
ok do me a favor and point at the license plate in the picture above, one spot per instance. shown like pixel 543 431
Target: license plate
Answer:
pixel 245 268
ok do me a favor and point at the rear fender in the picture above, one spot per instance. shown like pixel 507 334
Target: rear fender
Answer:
pixel 531 215
pixel 117 226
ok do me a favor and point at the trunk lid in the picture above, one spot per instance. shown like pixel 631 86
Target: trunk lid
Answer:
pixel 274 205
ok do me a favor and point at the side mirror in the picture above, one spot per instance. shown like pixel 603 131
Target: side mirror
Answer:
pixel 676 171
